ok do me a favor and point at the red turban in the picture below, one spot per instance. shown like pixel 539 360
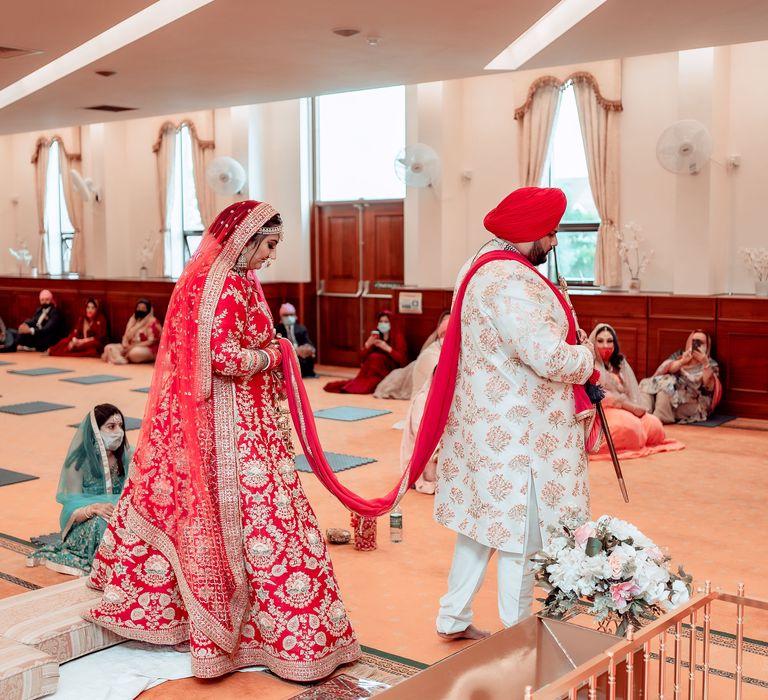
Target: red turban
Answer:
pixel 527 214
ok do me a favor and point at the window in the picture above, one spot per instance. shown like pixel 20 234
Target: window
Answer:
pixel 357 136
pixel 57 222
pixel 186 223
pixel 567 169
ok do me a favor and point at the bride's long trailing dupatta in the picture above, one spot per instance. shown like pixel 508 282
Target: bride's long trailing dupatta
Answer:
pixel 437 407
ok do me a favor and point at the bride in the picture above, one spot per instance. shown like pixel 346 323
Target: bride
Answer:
pixel 213 541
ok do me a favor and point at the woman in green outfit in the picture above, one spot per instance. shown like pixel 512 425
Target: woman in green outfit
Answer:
pixel 92 479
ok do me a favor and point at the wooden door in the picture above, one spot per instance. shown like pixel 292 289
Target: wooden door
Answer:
pixel 359 259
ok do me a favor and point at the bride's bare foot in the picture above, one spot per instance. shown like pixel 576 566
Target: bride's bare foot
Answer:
pixel 470 633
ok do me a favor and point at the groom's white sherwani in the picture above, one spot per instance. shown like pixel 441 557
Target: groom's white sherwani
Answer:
pixel 513 460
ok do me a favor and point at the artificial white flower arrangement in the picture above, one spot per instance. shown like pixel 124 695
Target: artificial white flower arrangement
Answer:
pixel 613 566
pixel 630 241
pixel 756 260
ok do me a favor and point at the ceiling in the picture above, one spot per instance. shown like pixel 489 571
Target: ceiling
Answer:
pixel 234 52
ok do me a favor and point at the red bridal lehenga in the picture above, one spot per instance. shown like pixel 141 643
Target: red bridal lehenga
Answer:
pixel 213 541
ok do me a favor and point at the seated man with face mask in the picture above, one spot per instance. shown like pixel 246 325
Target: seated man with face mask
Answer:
pixel 90 485
pixel 299 336
pixel 44 329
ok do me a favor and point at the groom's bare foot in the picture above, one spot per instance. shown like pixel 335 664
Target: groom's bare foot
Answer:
pixel 470 633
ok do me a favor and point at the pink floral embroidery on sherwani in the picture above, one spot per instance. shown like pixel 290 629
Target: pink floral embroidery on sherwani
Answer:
pixel 291 618
pixel 512 424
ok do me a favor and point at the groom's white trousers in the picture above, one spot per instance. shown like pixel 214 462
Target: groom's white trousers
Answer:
pixel 515 573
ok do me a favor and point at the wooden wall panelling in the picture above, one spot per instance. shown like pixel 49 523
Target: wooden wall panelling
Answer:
pixel 19 298
pixel 627 315
pixel 742 351
pixel 671 320
pixel 417 327
pixel 339 331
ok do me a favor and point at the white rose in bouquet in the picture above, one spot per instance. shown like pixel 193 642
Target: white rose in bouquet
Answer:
pixel 680 595
pixel 623 530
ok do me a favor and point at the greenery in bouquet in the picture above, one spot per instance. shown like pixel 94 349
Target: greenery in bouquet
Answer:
pixel 612 566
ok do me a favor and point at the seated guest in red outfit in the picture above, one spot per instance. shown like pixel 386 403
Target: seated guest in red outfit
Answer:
pixel 88 337
pixel 383 351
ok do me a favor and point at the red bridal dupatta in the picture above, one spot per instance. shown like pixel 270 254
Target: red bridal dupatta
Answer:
pixel 181 498
pixel 438 404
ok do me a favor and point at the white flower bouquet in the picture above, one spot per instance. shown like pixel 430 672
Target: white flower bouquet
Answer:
pixel 614 567
pixel 756 261
pixel 630 241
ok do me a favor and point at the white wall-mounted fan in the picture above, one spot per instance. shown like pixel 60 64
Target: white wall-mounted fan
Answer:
pixel 417 165
pixel 84 186
pixel 684 147
pixel 225 175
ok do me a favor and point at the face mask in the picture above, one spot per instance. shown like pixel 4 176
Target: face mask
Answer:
pixel 46 306
pixel 140 314
pixel 112 440
pixel 605 353
pixel 384 327
pixel 289 320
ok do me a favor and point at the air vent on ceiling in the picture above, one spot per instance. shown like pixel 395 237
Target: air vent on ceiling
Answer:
pixel 112 108
pixel 8 52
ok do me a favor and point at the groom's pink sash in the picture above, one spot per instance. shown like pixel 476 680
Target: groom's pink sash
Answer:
pixel 436 409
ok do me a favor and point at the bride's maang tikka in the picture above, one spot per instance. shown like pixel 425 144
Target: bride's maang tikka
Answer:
pixel 271 231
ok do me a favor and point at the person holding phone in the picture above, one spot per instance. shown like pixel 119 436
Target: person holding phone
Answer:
pixel 383 351
pixel 686 387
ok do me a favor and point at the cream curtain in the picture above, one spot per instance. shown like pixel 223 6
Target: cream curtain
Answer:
pixel 535 120
pixel 202 151
pixel 74 202
pixel 599 120
pixel 40 161
pixel 165 150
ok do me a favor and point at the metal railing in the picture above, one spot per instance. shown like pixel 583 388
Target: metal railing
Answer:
pixel 615 674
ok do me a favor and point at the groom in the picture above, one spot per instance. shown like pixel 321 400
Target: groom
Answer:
pixel 513 459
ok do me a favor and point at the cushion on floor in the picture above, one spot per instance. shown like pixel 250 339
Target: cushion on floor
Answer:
pixel 25 672
pixel 337 462
pixel 49 619
pixel 8 477
pixel 95 379
pixel 31 407
pixel 39 371
pixel 349 413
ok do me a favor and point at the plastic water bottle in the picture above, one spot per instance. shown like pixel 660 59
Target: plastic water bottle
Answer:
pixel 396 526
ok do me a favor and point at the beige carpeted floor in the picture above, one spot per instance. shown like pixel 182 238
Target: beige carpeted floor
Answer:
pixel 706 504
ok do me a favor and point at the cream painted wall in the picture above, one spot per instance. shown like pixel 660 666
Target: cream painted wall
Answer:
pixel 695 224
pixel 119 158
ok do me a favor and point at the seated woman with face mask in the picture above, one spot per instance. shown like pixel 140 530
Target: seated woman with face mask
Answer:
pixel 383 351
pixel 90 485
pixel 635 432
pixel 140 340
pixel 88 337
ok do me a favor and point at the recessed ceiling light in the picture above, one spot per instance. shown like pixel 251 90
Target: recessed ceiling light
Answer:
pixel 562 17
pixel 148 20
pixel 346 32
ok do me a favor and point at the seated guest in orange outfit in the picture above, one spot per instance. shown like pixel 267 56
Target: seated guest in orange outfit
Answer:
pixel 383 351
pixel 140 340
pixel 635 432
pixel 88 337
